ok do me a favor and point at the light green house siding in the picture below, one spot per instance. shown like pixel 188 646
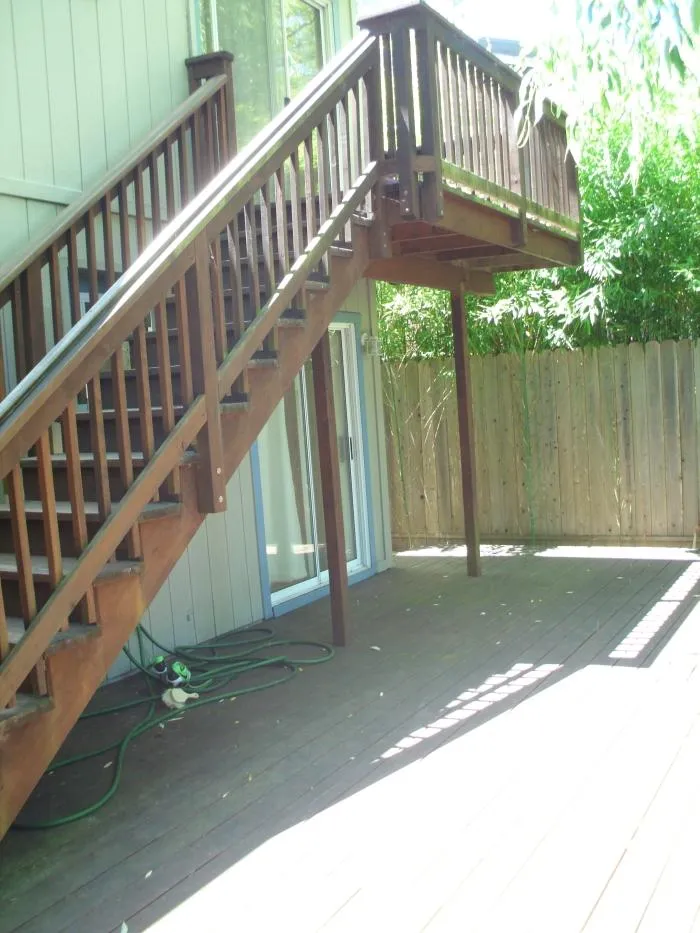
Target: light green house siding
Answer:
pixel 81 81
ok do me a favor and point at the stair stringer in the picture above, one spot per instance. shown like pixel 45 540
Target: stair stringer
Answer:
pixel 76 672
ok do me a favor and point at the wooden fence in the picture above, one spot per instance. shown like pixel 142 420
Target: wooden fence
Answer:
pixel 585 444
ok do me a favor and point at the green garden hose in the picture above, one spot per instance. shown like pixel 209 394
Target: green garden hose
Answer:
pixel 211 669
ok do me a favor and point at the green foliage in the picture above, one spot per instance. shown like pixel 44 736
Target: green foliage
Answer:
pixel 640 279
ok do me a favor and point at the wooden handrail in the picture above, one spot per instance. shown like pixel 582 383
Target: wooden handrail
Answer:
pixel 179 262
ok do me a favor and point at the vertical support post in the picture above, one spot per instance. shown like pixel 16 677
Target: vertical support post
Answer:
pixel 406 149
pixel 34 337
pixel 330 488
pixel 431 144
pixel 211 491
pixel 466 432
pixel 202 67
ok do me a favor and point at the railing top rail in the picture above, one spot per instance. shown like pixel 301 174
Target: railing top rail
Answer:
pixel 246 172
pixel 78 208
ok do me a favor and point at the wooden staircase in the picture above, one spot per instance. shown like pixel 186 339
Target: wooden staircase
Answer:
pixel 215 279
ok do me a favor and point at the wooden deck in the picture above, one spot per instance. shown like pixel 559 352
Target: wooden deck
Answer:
pixel 519 752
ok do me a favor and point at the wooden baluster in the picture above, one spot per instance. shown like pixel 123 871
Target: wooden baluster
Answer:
pixel 198 143
pixel 124 232
pixel 121 408
pixel 268 258
pixel 366 133
pixel 5 642
pixel 183 343
pixel 25 577
pixel 222 128
pixel 308 149
pixel 295 198
pixel 490 139
pixel 165 383
pixel 446 134
pixel 140 210
pixel 18 331
pixel 217 290
pixel 169 178
pixel 33 314
pixel 457 149
pixel 76 497
pixel 481 122
pixel 474 122
pixel 56 298
pixel 345 159
pixel 281 219
pixel 497 133
pixel 212 153
pixel 323 187
pixel 155 193
pixel 97 429
pixel 184 164
pixel 140 363
pixel 463 113
pixel 236 276
pixel 211 485
pixel 52 538
pixel 388 96
pixel 74 276
pixel 251 237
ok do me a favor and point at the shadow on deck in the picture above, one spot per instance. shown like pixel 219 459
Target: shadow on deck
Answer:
pixel 486 754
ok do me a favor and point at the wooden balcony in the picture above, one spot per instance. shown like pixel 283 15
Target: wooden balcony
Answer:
pixel 467 199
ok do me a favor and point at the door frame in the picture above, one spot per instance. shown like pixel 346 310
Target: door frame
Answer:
pixel 367 570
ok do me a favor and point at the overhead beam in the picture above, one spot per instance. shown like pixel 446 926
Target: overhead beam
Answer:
pixel 437 243
pixel 508 261
pixel 406 270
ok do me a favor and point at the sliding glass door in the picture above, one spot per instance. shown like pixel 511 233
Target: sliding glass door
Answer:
pixel 295 539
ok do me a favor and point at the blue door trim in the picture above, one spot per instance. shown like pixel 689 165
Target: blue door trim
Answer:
pixel 270 611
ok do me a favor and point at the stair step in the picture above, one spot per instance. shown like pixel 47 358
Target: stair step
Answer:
pixel 25 706
pixel 34 509
pixel 40 568
pixel 74 632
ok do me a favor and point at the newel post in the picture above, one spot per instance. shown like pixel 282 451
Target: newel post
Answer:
pixel 201 68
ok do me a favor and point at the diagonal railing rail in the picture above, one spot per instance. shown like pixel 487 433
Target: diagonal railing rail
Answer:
pixel 295 188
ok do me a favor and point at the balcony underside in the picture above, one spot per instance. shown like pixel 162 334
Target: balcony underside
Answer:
pixel 483 230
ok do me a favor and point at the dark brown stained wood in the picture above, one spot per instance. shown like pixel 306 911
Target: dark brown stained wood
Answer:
pixel 309 189
pixel 346 149
pixel 56 298
pixel 405 124
pixel 217 292
pixel 33 315
pixel 18 328
pixel 267 252
pixel 235 278
pixel 251 237
pixel 388 94
pixel 183 341
pixel 212 154
pixel 295 197
pixel 426 64
pixel 143 389
pixel 457 151
pixel 155 193
pixel 165 380
pixel 281 219
pixel 169 178
pixel 124 242
pixel 50 518
pixel 20 538
pixel 99 446
pixel 330 489
pixel 140 208
pixel 466 433
pixel 212 484
pixel 5 642
pixel 324 185
pixel 416 271
pixel 184 163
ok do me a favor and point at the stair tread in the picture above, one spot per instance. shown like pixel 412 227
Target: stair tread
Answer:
pixel 26 705
pixel 74 632
pixel 87 459
pixel 40 567
pixel 34 509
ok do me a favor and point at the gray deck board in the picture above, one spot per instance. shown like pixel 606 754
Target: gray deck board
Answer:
pixel 437 783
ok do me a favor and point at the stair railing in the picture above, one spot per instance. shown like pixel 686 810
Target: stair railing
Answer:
pixel 48 286
pixel 449 119
pixel 294 189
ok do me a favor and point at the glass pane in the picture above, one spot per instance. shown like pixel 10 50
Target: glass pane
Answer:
pixel 252 30
pixel 286 486
pixel 304 43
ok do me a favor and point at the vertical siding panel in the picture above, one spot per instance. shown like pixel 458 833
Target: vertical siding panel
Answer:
pixel 156 32
pixel 181 603
pixel 160 622
pixel 136 61
pixel 113 68
pixel 237 549
pixel 13 211
pixel 219 573
pixel 62 94
pixel 90 104
pixel 33 91
pixel 251 553
pixel 202 596
pixel 178 48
